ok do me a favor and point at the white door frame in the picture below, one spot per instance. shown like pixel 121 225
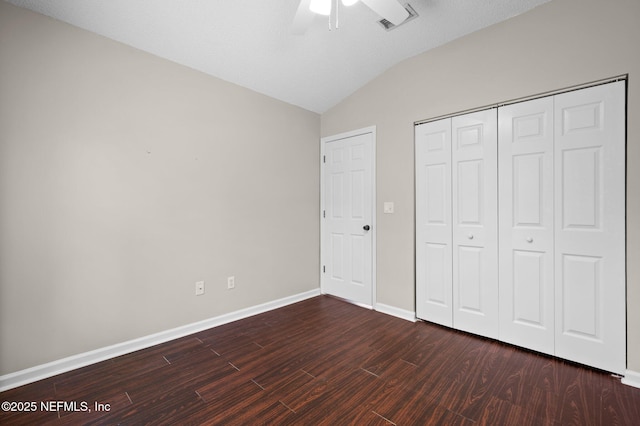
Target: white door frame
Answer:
pixel 374 227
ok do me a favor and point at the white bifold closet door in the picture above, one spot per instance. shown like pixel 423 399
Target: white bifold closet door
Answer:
pixel 526 224
pixel 589 156
pixel 562 219
pixel 474 142
pixel 434 255
pixel 520 224
pixel 456 222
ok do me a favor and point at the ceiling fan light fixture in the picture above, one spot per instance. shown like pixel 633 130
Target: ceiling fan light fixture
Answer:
pixel 321 7
pixel 349 2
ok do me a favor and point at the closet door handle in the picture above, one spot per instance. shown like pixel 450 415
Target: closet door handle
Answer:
pixel 366 227
pixel 470 236
pixel 529 239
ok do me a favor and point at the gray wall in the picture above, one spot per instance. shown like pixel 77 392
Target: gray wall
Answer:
pixel 559 44
pixel 124 179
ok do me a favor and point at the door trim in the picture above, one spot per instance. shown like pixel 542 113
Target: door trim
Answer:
pixel 374 227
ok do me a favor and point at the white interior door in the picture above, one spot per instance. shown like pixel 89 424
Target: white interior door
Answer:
pixel 525 164
pixel 590 226
pixel 348 216
pixel 434 290
pixel 474 142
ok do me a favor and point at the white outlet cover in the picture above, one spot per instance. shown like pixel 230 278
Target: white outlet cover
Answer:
pixel 388 207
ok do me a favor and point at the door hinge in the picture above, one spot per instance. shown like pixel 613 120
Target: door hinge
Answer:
pixel 324 269
pixel 324 213
pixel 324 158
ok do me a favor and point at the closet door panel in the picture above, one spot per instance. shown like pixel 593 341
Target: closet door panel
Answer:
pixel 433 222
pixel 590 226
pixel 475 242
pixel 525 156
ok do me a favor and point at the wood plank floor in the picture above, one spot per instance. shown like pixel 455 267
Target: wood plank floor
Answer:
pixel 326 362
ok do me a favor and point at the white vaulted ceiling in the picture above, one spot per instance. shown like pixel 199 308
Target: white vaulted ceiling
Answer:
pixel 250 43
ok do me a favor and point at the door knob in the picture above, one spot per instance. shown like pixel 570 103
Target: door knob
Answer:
pixel 470 236
pixel 366 227
pixel 529 239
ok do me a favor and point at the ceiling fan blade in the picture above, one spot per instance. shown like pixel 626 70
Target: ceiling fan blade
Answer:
pixel 390 10
pixel 303 18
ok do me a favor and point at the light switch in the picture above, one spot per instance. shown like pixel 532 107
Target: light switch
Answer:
pixel 388 207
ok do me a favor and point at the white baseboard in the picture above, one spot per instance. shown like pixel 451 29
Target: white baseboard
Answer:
pixel 396 312
pixel 631 378
pixel 63 365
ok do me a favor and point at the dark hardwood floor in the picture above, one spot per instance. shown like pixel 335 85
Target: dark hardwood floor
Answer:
pixel 326 362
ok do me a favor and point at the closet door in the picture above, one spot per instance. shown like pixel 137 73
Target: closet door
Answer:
pixel 475 222
pixel 590 226
pixel 525 164
pixel 433 222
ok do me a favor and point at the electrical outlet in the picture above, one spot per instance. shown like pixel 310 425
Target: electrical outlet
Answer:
pixel 231 283
pixel 199 288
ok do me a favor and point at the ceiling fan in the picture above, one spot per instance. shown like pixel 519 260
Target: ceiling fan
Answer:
pixel 390 10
